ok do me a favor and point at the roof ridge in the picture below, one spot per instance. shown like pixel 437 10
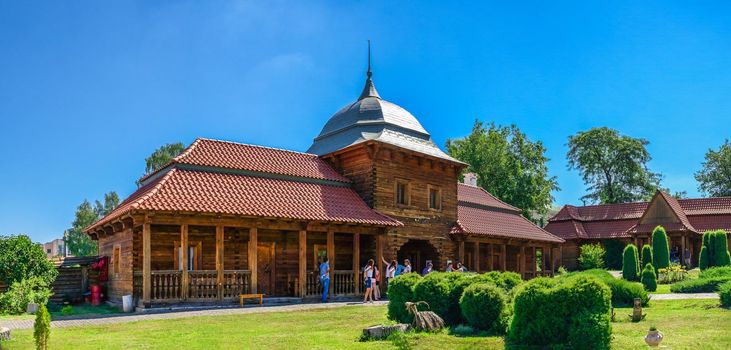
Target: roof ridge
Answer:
pixel 258 146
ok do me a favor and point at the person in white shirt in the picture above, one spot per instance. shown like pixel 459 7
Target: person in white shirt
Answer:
pixel 369 279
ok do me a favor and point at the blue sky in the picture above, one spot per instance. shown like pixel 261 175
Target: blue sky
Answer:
pixel 88 89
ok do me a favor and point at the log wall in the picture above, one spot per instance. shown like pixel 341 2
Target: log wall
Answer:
pixel 120 283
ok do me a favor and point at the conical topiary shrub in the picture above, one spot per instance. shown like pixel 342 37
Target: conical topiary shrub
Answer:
pixel 646 255
pixel 660 248
pixel 721 254
pixel 630 268
pixel 649 278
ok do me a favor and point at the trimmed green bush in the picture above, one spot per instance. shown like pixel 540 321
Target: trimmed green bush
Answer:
pixel 505 280
pixel 700 285
pixel 724 291
pixel 434 289
pixel 401 290
pixel 660 248
pixel 42 328
pixel 591 256
pixel 484 306
pixel 561 313
pixel 703 259
pixel 721 271
pixel 630 270
pixel 646 256
pixel 720 246
pixel 649 278
pixel 623 292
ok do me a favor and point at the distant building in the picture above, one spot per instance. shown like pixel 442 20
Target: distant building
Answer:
pixel 54 248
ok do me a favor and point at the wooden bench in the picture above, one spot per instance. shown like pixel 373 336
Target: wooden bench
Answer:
pixel 251 296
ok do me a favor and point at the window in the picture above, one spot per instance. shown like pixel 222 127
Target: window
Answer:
pixel 402 192
pixel 435 198
pixel 115 259
pixel 194 256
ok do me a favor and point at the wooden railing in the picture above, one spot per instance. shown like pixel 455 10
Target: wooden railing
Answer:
pixel 236 282
pixel 203 284
pixel 166 285
pixel 342 282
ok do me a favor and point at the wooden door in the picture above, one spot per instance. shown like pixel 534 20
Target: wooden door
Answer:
pixel 265 270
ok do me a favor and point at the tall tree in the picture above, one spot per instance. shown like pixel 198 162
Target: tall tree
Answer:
pixel 614 166
pixel 20 258
pixel 162 156
pixel 78 242
pixel 508 165
pixel 714 179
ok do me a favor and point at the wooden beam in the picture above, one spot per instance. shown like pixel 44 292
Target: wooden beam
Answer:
pixel 331 256
pixel 356 262
pixel 521 260
pixel 302 263
pixel 476 254
pixel 253 243
pixel 682 250
pixel 379 252
pixel 146 271
pixel 219 260
pixel 460 253
pixel 491 257
pixel 503 260
pixel 185 275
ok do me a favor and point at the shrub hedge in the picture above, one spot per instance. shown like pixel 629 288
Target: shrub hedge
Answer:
pixel 724 291
pixel 660 248
pixel 700 285
pixel 484 306
pixel 630 270
pixel 623 292
pixel 29 290
pixel 401 290
pixel 561 313
pixel 649 278
pixel 714 251
pixel 721 271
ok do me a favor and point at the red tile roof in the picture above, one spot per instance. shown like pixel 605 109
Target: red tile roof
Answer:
pixel 478 195
pixel 239 156
pixel 221 193
pixel 480 213
pixel 621 220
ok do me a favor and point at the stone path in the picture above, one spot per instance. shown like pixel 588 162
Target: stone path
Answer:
pixel 682 296
pixel 122 318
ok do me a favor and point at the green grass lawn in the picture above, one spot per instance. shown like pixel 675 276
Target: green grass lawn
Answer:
pixel 687 324
pixel 662 289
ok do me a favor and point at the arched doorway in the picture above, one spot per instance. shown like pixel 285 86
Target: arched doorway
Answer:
pixel 418 251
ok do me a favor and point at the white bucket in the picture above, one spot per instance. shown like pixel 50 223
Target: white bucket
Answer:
pixel 127 303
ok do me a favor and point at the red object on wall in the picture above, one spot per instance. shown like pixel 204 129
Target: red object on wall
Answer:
pixel 96 294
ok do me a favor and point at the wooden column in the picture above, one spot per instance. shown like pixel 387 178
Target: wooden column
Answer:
pixel 476 254
pixel 460 253
pixel 682 249
pixel 302 279
pixel 356 262
pixel 521 260
pixel 253 243
pixel 219 260
pixel 637 243
pixel 379 252
pixel 331 257
pixel 533 262
pixel 543 258
pixel 146 271
pixel 503 260
pixel 560 256
pixel 553 259
pixel 185 274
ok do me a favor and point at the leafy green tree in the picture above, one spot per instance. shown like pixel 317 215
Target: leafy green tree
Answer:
pixel 21 259
pixel 660 248
pixel 78 242
pixel 591 256
pixel 646 255
pixel 508 165
pixel 630 267
pixel 162 156
pixel 613 166
pixel 714 179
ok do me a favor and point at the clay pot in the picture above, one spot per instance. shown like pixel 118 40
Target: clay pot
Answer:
pixel 653 338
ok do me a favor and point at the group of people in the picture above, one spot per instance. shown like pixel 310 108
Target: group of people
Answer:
pixel 372 275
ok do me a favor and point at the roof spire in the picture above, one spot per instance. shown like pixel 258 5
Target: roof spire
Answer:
pixel 369 90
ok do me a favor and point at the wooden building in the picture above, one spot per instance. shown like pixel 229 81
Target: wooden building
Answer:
pixel 684 220
pixel 226 218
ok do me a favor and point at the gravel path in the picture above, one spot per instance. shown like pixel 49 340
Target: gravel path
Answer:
pixel 682 296
pixel 121 318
